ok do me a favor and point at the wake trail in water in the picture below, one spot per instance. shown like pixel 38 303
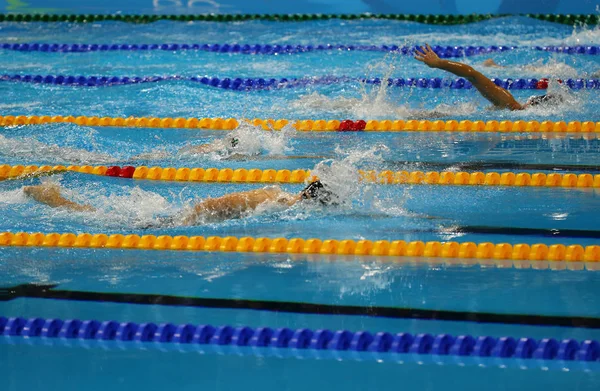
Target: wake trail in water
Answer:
pixel 31 148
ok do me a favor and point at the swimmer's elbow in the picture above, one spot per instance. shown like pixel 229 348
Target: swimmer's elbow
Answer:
pixel 516 106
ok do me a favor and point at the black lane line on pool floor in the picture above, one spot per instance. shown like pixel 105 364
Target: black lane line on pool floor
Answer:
pixel 481 166
pixel 48 292
pixel 543 232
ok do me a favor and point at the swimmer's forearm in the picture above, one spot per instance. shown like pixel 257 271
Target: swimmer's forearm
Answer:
pixel 457 68
pixel 60 202
pixel 50 196
pixel 78 207
pixel 495 94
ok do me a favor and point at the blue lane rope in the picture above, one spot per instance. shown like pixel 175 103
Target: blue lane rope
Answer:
pixel 548 349
pixel 442 51
pixel 272 83
pixel 577 49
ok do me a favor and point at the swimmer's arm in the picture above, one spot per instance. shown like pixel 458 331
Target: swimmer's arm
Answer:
pixel 495 94
pixel 221 208
pixel 202 148
pixel 50 195
pixel 235 204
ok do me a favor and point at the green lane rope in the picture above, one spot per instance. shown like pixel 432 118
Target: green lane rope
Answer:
pixel 589 19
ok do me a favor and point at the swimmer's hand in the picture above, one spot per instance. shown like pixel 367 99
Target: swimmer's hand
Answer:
pixel 428 56
pixel 491 63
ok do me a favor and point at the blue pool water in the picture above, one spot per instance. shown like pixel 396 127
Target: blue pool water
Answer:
pixel 373 212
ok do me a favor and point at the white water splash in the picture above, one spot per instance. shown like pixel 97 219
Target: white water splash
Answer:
pixel 584 35
pixel 341 175
pixel 133 207
pixel 570 101
pixel 15 196
pixel 254 140
pixel 376 104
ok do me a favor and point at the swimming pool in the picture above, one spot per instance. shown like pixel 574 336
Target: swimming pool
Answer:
pixel 421 295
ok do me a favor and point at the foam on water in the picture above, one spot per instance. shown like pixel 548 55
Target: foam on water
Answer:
pixel 584 35
pixel 14 196
pixel 341 175
pixel 254 140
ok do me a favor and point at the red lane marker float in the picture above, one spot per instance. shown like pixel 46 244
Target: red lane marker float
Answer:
pixel 360 125
pixel 542 84
pixel 349 125
pixel 127 172
pixel 124 172
pixel 113 171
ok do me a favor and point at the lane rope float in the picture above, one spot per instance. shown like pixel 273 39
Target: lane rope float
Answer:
pixel 589 19
pixel 422 252
pixel 264 83
pixel 375 346
pixel 442 51
pixel 299 176
pixel 313 125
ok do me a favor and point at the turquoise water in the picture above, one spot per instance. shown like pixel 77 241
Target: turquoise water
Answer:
pixel 374 212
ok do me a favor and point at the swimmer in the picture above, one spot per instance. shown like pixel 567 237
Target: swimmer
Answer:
pixel 228 206
pixel 225 147
pixel 498 96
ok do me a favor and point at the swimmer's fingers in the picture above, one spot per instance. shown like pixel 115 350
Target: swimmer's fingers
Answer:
pixel 419 55
pixel 420 51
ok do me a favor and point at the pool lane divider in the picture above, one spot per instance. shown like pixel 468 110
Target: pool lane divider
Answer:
pixel 35 291
pixel 299 176
pixel 442 51
pixel 319 125
pixel 589 19
pixel 373 345
pixel 537 255
pixel 275 49
pixel 261 83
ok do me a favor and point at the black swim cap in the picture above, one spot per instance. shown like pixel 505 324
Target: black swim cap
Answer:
pixel 548 99
pixel 234 142
pixel 317 191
